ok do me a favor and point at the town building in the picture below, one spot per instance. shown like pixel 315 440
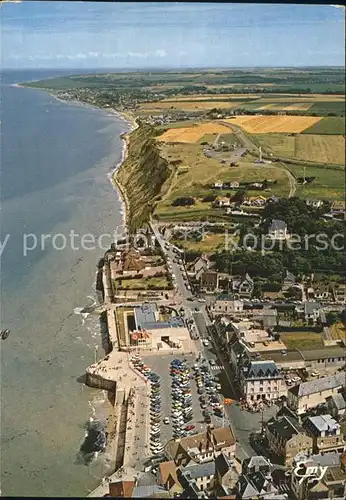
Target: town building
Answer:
pixel 327 477
pixel 209 281
pixel 258 485
pixel 326 434
pixel 289 280
pixel 310 311
pixel 202 447
pixel 319 293
pixel 336 404
pixel 256 463
pixel 226 304
pixel 262 380
pixel 168 478
pixel 201 474
pixel 319 359
pixel 201 264
pixel 226 473
pixel 306 395
pixel 286 437
pixel 139 327
pixel 222 201
pixel 278 230
pixel 243 286
pixel 338 207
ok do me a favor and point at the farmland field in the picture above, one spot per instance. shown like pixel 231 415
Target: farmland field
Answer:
pixel 329 183
pixel 191 105
pixel 329 125
pixel 320 148
pixel 266 124
pixel 309 147
pixel 192 134
pixel 323 107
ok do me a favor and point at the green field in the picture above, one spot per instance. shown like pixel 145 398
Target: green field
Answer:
pixel 182 124
pixel 328 185
pixel 328 125
pixel 277 144
pixel 322 108
pixel 203 172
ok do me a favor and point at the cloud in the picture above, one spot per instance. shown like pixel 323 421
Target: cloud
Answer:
pixel 94 55
pixel 338 6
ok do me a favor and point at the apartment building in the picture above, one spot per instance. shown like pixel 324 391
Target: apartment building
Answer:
pixel 326 434
pixel 262 380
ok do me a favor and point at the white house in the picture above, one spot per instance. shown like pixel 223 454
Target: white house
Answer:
pixel 278 230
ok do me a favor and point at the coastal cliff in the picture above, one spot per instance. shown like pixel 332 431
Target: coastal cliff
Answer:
pixel 141 176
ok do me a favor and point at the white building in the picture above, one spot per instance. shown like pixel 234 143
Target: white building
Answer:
pixel 262 380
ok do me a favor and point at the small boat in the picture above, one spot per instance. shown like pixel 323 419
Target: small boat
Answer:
pixel 5 333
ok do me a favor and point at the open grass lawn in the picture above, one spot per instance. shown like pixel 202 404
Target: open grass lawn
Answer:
pixel 181 124
pixel 278 144
pixel 328 125
pixel 209 244
pixel 229 139
pixel 302 340
pixel 142 283
pixel 209 138
pixel 203 172
pixel 329 183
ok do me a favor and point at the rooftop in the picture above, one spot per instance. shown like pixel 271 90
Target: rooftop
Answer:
pixel 323 423
pixel 145 313
pixel 325 353
pixel 285 427
pixel 319 385
pixel 277 225
pixel 168 471
pixel 262 369
pixel 338 399
pixel 221 437
pixel 200 470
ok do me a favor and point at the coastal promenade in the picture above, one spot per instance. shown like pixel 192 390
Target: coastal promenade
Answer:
pixel 132 391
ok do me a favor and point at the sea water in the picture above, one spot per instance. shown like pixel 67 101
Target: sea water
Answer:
pixel 55 161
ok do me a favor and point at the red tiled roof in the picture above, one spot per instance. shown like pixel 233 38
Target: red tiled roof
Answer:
pixel 121 489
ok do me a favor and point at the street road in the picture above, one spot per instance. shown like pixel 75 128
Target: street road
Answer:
pixel 241 422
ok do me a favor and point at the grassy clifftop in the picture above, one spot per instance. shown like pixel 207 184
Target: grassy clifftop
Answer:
pixel 142 175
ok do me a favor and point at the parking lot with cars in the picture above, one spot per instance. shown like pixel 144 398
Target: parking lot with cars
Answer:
pixel 178 407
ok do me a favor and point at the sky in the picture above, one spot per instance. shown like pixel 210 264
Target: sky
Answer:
pixel 139 35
